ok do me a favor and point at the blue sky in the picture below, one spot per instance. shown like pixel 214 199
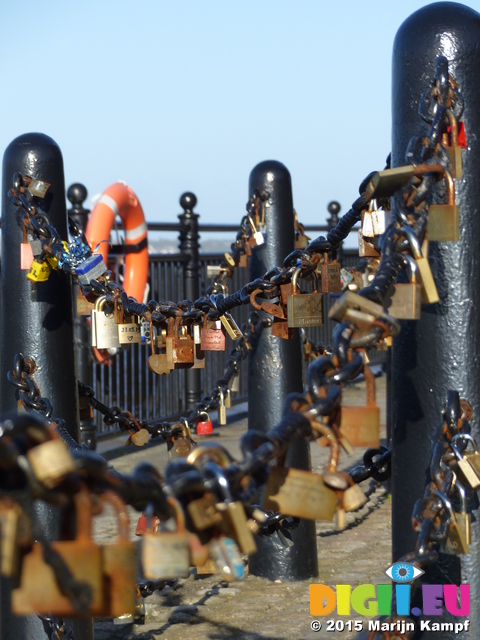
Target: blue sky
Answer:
pixel 191 95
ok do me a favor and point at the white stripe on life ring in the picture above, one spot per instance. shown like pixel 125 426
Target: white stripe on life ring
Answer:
pixel 110 202
pixel 133 234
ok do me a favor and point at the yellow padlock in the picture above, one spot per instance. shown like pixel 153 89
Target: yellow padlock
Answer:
pixel 39 271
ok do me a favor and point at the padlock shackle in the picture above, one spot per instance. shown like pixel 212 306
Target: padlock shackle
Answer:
pixel 212 468
pixel 121 512
pixel 453 128
pixel 213 449
pixel 464 436
pixel 412 267
pixel 422 169
pixel 297 272
pixel 446 502
pixel 462 493
pixel 412 241
pixel 332 441
pixel 179 515
pixel 100 303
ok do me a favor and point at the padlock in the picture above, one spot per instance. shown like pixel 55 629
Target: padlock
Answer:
pixel 330 274
pixel 246 252
pixel 234 520
pixel 468 465
pixel 212 335
pixel 367 242
pixel 234 383
pixel 298 493
pixel 225 553
pixel 83 306
pixel 38 188
pixel 424 272
pixel 406 301
pixel 353 498
pixel 301 238
pixel 104 329
pixel 222 410
pixel 304 309
pixel 51 462
pixel 228 398
pixel 232 327
pixel 181 443
pixel 355 302
pixel 204 427
pixel 361 424
pixel 83 557
pixel 256 238
pixel 204 513
pixel 453 148
pixel 166 554
pixel 444 219
pixel 179 345
pixel 456 542
pixel 15 536
pixel 383 184
pixel 119 564
pixel 91 269
pixel 464 524
pixel 129 332
pixel 39 271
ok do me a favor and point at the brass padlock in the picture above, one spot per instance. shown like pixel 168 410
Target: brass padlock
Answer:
pixel 464 524
pixel 424 272
pixel 234 520
pixel 222 409
pixel 330 274
pixel 182 344
pixel 444 219
pixel 405 303
pixel 468 465
pixel 453 148
pixel 15 535
pixel 119 564
pixel 181 443
pixel 104 329
pixel 361 424
pixel 51 462
pixel 383 184
pixel 456 542
pixel 166 554
pixel 298 493
pixel 41 594
pixel 204 513
pixel 355 302
pixel 304 309
pixel 353 498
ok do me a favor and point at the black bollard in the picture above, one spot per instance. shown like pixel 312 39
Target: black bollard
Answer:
pixel 190 246
pixel 275 370
pixel 440 351
pixel 77 194
pixel 37 320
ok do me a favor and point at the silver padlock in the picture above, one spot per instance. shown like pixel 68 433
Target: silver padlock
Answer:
pixel 104 329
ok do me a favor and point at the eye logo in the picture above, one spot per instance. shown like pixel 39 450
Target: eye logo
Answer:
pixel 403 572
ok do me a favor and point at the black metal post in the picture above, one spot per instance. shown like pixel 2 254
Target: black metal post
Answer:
pixel 190 246
pixel 37 320
pixel 440 351
pixel 77 194
pixel 274 371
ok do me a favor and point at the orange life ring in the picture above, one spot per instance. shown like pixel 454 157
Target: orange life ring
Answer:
pixel 120 200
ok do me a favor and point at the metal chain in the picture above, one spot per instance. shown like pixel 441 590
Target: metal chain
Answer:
pixel 59 630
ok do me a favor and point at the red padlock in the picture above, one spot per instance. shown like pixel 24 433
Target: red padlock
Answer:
pixel 142 524
pixel 205 427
